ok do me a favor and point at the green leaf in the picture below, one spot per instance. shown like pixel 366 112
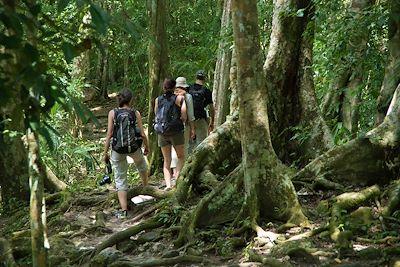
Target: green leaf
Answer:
pixel 300 13
pixel 69 52
pixel 62 4
pixel 100 18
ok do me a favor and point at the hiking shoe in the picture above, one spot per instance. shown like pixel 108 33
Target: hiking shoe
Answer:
pixel 123 214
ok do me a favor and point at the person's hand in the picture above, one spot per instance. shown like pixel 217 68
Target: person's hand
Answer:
pixel 193 135
pixel 210 127
pixel 106 157
pixel 146 151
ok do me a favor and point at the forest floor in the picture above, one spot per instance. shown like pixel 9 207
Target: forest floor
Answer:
pixel 73 227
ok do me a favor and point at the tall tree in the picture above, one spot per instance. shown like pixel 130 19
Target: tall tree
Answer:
pixel 222 67
pixel 392 72
pixel 13 177
pixel 298 130
pixel 158 66
pixel 266 184
pixel 341 103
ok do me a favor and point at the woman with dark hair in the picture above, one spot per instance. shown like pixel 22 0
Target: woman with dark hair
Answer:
pixel 170 110
pixel 121 120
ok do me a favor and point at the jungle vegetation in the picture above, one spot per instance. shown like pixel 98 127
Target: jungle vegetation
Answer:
pixel 301 169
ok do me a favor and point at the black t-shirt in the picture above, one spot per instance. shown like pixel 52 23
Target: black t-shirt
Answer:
pixel 200 91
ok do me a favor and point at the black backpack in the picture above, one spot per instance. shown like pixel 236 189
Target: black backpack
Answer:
pixel 199 98
pixel 168 117
pixel 126 136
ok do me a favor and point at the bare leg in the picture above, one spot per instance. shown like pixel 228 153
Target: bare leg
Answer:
pixel 166 151
pixel 123 199
pixel 180 153
pixel 144 177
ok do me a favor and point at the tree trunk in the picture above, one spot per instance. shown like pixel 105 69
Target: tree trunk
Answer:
pixel 37 208
pixel 345 91
pixel 290 85
pixel 392 72
pixel 362 160
pixel 265 182
pixel 158 65
pixel 13 156
pixel 222 68
pixel 104 76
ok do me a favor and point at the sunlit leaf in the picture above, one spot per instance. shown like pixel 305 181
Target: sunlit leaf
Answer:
pixel 300 13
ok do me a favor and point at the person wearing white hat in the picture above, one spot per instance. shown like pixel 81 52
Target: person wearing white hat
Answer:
pixel 189 132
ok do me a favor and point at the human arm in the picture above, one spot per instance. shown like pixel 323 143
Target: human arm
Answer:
pixel 211 122
pixel 155 105
pixel 142 133
pixel 180 101
pixel 210 104
pixel 190 113
pixel 110 128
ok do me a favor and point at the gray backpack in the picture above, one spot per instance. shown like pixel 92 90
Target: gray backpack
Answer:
pixel 126 136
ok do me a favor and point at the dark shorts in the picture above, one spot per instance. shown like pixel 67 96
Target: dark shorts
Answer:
pixel 171 140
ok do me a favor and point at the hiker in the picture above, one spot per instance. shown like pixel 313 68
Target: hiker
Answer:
pixel 189 132
pixel 170 110
pixel 125 131
pixel 202 98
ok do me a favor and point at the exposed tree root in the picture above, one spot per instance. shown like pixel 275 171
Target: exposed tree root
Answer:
pixel 52 183
pixel 148 190
pixel 188 226
pixel 346 202
pixel 309 233
pixel 120 236
pixel 356 162
pixel 267 260
pixel 394 199
pixel 141 215
pixel 386 240
pixel 220 148
pixel 165 261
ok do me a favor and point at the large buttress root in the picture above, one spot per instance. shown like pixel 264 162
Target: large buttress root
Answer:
pixel 220 148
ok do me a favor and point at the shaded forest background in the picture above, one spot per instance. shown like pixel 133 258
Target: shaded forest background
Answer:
pixel 61 59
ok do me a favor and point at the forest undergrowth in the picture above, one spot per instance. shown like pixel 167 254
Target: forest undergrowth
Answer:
pixel 84 231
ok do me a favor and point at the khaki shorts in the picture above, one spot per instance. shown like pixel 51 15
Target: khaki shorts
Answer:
pixel 171 140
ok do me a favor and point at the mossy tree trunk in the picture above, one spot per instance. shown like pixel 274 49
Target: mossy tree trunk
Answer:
pixel 158 66
pixel 265 182
pixel 222 68
pixel 292 104
pixel 392 71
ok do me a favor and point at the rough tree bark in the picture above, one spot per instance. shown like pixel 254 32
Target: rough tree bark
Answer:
pixel 39 240
pixel 290 84
pixel 366 158
pixel 362 160
pixel 222 68
pixel 345 91
pixel 265 181
pixel 392 72
pixel 158 65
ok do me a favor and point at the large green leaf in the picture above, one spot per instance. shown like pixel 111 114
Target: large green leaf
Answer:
pixel 100 18
pixel 70 51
